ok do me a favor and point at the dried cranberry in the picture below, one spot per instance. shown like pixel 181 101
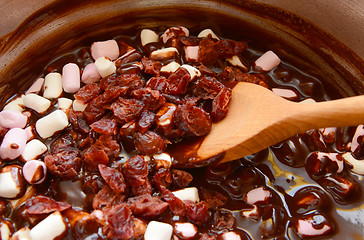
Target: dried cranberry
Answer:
pixel 93 112
pixel 152 99
pixel 181 179
pixel 135 170
pixel 105 126
pixel 149 143
pixel 178 81
pixel 147 206
pixel 119 219
pixel 44 205
pixel 145 121
pixel 207 87
pixel 151 67
pixel 88 92
pixel 207 53
pixel 113 178
pixel 220 105
pixel 158 83
pixel 193 120
pixel 127 109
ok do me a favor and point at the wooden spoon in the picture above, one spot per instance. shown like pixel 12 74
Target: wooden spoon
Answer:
pixel 258 118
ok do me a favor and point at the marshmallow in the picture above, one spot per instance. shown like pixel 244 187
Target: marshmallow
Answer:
pixel 253 213
pixel 258 195
pixel 71 78
pixel 105 66
pixel 158 231
pixel 34 171
pixel 15 104
pixel 230 236
pixel 359 133
pixel 305 228
pixel 194 72
pixel 308 101
pixel 36 102
pixel 206 33
pixel 268 61
pixel 11 181
pixel 30 133
pixel 235 61
pixel 148 36
pixel 174 31
pixel 191 53
pixel 356 166
pixel 64 103
pixel 52 85
pixel 53 122
pixel 164 54
pixel 90 74
pixel 21 234
pixel 163 160
pixel 109 49
pixel 12 119
pixel 185 230
pixel 190 194
pixel 285 93
pixel 13 143
pixel 78 106
pixel 36 86
pixel 6 229
pixel 33 149
pixel 171 67
pixel 50 228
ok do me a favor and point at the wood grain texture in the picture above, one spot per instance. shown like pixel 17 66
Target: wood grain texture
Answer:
pixel 258 118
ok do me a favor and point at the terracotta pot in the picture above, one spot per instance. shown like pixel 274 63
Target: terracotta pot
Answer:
pixel 324 38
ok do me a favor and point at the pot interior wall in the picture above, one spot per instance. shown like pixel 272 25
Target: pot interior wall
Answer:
pixel 59 28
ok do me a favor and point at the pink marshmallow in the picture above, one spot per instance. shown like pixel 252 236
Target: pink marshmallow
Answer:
pixel 305 228
pixel 71 78
pixel 13 143
pixel 191 53
pixel 90 74
pixel 268 61
pixel 174 31
pixel 34 171
pixel 30 133
pixel 36 86
pixel 258 195
pixel 13 119
pixel 109 49
pixel 285 93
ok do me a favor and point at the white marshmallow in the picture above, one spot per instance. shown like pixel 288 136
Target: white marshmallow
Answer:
pixel 109 49
pixel 33 149
pixel 148 36
pixel 71 79
pixel 36 102
pixel 359 132
pixel 52 85
pixel 50 228
pixel 164 54
pixel 253 213
pixel 16 104
pixel 205 33
pixel 163 160
pixel 305 228
pixel 78 106
pixel 90 74
pixel 22 234
pixel 171 67
pixel 191 53
pixel 194 72
pixel 268 61
pixel 170 32
pixel 231 236
pixel 105 66
pixel 190 193
pixel 13 143
pixel 357 165
pixel 53 122
pixel 235 61
pixel 9 187
pixel 64 103
pixel 308 101
pixel 334 157
pixel 5 232
pixel 158 231
pixel 34 171
pixel 12 119
pixel 36 86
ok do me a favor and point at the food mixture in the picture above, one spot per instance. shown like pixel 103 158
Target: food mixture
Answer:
pixel 89 150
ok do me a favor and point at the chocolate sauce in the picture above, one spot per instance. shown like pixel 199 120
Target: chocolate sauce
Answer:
pixel 281 169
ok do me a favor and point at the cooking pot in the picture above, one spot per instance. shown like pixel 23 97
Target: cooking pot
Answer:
pixel 324 38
